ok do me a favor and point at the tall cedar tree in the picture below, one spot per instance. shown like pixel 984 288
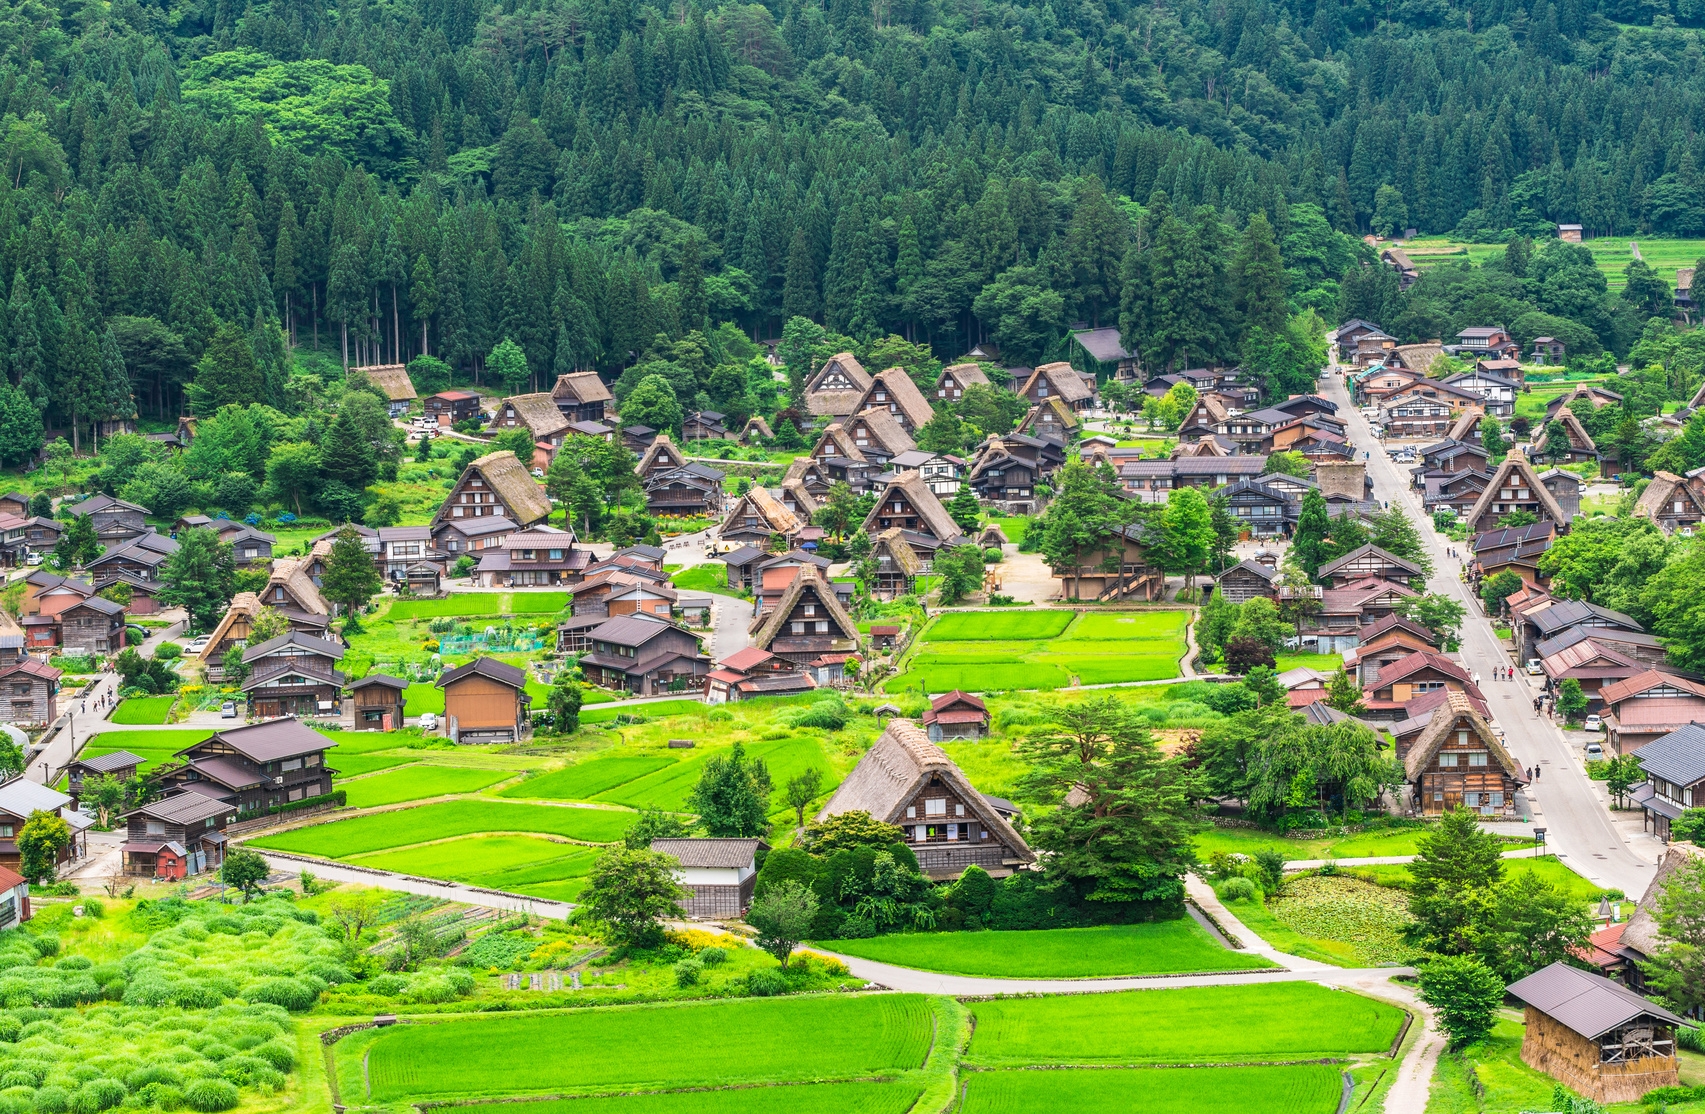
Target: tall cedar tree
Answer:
pixel 1258 277
pixel 1456 866
pixel 201 576
pixel 1308 541
pixel 350 579
pixel 1129 840
pixel 964 510
pixel 78 545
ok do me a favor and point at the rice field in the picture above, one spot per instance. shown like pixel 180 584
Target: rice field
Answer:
pixel 518 863
pixel 984 651
pixel 467 604
pixel 342 839
pixel 1286 1089
pixel 143 709
pixel 1159 948
pixel 813 1098
pixel 585 780
pixel 153 747
pixel 1278 1021
pixel 418 782
pixel 719 1043
pixel 664 780
pixel 1611 253
pixel 354 765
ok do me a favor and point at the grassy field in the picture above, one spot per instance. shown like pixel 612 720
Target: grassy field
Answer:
pixel 153 747
pixel 143 709
pixel 814 1098
pixel 712 577
pixel 1342 921
pixel 983 651
pixel 648 1048
pixel 405 827
pixel 663 780
pixel 518 863
pixel 585 780
pixel 418 782
pixel 1363 845
pixel 1612 254
pixel 1280 1021
pixel 1287 1089
pixel 480 603
pixel 1161 948
pixel 650 711
pixel 1548 867
pixel 354 765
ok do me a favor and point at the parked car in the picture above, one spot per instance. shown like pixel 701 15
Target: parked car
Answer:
pixel 228 710
pixel 1534 669
pixel 196 646
pixel 1593 723
pixel 424 425
pixel 1594 752
pixel 35 558
pixel 429 721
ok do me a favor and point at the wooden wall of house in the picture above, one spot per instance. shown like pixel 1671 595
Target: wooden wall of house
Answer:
pixel 1560 1052
pixel 479 702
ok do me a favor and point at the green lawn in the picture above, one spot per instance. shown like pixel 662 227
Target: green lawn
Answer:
pixel 1281 1021
pixel 517 863
pixel 1160 948
pixel 1548 867
pixel 143 709
pixel 980 626
pixel 1014 528
pixel 1365 845
pixel 343 838
pixel 1326 663
pixel 480 603
pixel 710 1044
pixel 705 578
pixel 650 711
pixel 1611 253
pixel 418 782
pixel 1286 1089
pixel 810 1098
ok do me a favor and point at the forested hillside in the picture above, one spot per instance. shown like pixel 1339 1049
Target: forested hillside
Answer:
pixel 583 175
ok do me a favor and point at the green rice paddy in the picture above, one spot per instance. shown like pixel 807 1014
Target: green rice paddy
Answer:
pixel 518 863
pixel 809 1098
pixel 381 831
pixel 718 1043
pixel 494 604
pixel 1277 1021
pixel 143 709
pixel 418 782
pixel 649 711
pixel 983 651
pixel 354 765
pixel 663 780
pixel 153 747
pixel 1158 948
pixel 587 779
pixel 1283 1089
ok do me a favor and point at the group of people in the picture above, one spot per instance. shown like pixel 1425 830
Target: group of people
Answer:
pixel 1504 673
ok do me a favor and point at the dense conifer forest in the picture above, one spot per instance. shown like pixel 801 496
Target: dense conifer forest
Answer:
pixel 205 184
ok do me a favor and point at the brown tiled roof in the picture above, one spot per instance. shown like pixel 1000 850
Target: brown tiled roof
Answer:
pixel 712 854
pixel 490 668
pixel 1645 682
pixel 274 739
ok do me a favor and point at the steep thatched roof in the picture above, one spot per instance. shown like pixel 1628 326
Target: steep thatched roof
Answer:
pixel 1642 931
pixel 892 542
pixel 1579 439
pixel 902 392
pixel 538 411
pixel 514 485
pixel 1517 467
pixel 392 379
pixel 808 578
pixel 966 375
pixel 885 430
pixel 776 517
pixel 1441 728
pixel 837 402
pixel 581 387
pixel 662 446
pixel 934 517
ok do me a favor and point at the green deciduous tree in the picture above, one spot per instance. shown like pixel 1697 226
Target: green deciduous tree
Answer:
pixel 630 893
pixel 41 840
pixel 961 570
pixel 1678 970
pixel 783 918
pixel 350 579
pixel 1465 994
pixel 200 576
pixel 732 795
pixel 1571 700
pixel 245 870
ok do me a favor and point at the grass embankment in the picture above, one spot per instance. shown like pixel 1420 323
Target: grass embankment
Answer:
pixel 1159 948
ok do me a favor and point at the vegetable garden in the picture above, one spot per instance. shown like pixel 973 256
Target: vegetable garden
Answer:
pixel 982 651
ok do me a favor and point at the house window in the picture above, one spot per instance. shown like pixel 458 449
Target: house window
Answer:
pixel 156 827
pixel 797 628
pixel 1447 761
pixel 936 806
pixel 959 810
pixel 1477 758
pixel 911 812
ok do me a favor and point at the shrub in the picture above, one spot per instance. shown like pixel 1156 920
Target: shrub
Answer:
pixel 387 986
pixel 210 1095
pixel 53 1100
pixel 713 956
pixel 766 983
pixel 293 994
pixel 1238 889
pixel 75 963
pixel 97 1095
pixel 150 1073
pixel 277 1053
pixel 688 972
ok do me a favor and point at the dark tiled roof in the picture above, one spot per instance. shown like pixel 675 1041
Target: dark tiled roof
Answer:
pixel 272 740
pixel 486 667
pixel 1585 1003
pixel 711 853
pixel 1678 756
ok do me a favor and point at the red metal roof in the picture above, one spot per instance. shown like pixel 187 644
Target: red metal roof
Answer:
pixel 744 660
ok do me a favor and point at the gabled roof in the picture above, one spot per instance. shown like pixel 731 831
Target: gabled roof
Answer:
pixel 292 573
pixel 807 577
pixel 1063 380
pixel 1567 613
pixel 1516 464
pixel 1418 358
pixel 271 740
pixel 1665 488
pixel 746 660
pixel 1253 567
pixel 538 411
pixel 1646 681
pixel 901 762
pixel 893 542
pixel 382 679
pixel 490 668
pixel 902 392
pixel 710 854
pixel 934 516
pixel 635 629
pixel 513 484
pixel 1054 405
pixel 890 435
pixel 185 807
pixel 294 638
pixel 1678 757
pixel 581 387
pixel 1545 530
pixel 1103 344
pixel 1579 439
pixel 966 375
pixel 1642 933
pixel 1395 622
pixel 658 446
pixel 1586 1003
pixel 392 379
pixel 1417 661
pixel 770 510
pixel 1391 560
pixel 107 763
pixel 837 402
pixel 104 503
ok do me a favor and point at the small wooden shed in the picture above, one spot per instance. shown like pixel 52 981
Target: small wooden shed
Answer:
pixel 485 701
pixel 378 702
pixel 1596 1036
pixel 721 873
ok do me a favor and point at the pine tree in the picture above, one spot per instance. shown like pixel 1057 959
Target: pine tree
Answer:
pixel 346 455
pixel 423 298
pixel 79 390
pixel 1308 542
pixel 1258 278
pixel 350 579
pixel 20 427
pixel 689 286
pixel 564 360
pixel 117 402
pixel 29 360
pixel 227 373
pixel 964 510
pixel 799 289
pixel 285 277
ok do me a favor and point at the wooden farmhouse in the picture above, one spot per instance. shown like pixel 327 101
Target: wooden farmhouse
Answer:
pixel 496 484
pixel 704 425
pixel 256 767
pixel 393 382
pixel 30 689
pixel 877 436
pixel 810 628
pixel 690 491
pixel 1457 762
pixel 1515 486
pixel 1409 677
pixel 645 655
pixel 1647 706
pixel 1370 560
pixel 582 397
pixel 115 521
pixel 1597 1037
pixel 897 565
pixel 538 415
pixel 15 502
pixel 92 626
pixel 485 701
pixel 907 780
pixel 752 672
pixel 238 621
pixel 378 701
pixel 907 504
pixel 1675 777
pixel 1246 580
pixel 1671 503
pixel 1580 447
pixel 19 798
pixel 1005 479
pixel 1383 642
pixel 120 764
pixel 449 407
pixel 47 593
pixel 721 874
pixel 955 379
pixel 1062 381
pixel 294 674
pixel 139 559
pixel 661 456
pixel 956 715
pixel 1517 549
pixel 176 836
pixel 459 537
pixel 537 556
pixel 1052 420
pixel 894 392
pixel 837 387
pixel 612 592
pixel 756 430
pixel 757 517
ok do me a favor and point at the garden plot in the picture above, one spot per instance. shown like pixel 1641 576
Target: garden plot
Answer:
pixel 1159 948
pixel 1279 1021
pixel 143 709
pixel 713 1044
pixel 1339 920
pixel 985 651
pixel 1286 1089
pixel 342 839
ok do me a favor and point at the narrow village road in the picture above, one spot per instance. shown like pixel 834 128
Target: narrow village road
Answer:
pixel 87 717
pixel 1579 829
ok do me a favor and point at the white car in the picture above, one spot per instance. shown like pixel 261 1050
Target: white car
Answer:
pixel 429 721
pixel 1534 668
pixel 1593 723
pixel 1594 752
pixel 196 647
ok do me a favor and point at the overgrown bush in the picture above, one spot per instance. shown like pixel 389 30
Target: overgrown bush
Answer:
pixel 1238 889
pixel 766 983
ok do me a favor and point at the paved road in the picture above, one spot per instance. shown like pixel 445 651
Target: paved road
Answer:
pixel 1579 829
pixel 408 883
pixel 87 716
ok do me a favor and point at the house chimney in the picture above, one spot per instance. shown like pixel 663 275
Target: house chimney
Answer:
pixel 1348 479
